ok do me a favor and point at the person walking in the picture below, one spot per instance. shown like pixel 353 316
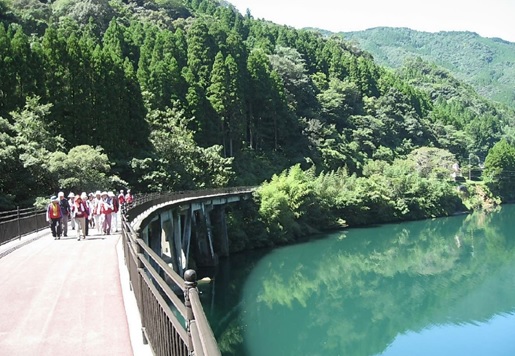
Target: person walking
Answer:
pixel 97 211
pixel 129 198
pixel 90 202
pixel 81 212
pixel 65 212
pixel 121 202
pixel 71 201
pixel 116 214
pixel 53 216
pixel 107 210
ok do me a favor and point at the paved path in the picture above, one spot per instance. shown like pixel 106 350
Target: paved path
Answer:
pixel 63 297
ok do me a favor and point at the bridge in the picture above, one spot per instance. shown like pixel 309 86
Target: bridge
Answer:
pixel 130 293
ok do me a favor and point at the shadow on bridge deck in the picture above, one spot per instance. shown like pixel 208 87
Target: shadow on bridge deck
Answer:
pixel 67 297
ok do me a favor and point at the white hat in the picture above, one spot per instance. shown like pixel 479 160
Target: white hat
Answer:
pixel 110 194
pixel 61 194
pixel 53 198
pixel 97 192
pixel 104 193
pixel 71 195
pixel 84 196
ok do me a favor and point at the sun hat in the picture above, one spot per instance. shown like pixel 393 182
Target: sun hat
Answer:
pixel 71 195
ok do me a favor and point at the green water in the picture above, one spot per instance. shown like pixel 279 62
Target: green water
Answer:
pixel 438 287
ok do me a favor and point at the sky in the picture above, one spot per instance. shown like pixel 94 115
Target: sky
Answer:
pixel 488 18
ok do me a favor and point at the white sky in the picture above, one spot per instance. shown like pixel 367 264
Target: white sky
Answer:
pixel 488 18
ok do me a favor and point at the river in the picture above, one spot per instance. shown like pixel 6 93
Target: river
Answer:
pixel 437 287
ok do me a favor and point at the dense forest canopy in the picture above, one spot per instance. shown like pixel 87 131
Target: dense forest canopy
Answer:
pixel 170 95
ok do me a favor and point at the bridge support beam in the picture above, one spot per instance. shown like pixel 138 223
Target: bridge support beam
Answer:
pixel 220 224
pixel 186 239
pixel 204 237
pixel 167 250
pixel 172 229
pixel 177 244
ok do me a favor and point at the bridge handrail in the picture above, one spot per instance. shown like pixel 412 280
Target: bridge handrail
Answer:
pixel 161 327
pixel 171 326
pixel 8 215
pixel 16 223
pixel 145 201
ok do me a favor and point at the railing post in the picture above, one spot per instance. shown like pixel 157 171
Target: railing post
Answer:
pixel 18 220
pixel 36 219
pixel 139 266
pixel 190 281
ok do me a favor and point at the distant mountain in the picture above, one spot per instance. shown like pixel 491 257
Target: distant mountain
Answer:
pixel 488 64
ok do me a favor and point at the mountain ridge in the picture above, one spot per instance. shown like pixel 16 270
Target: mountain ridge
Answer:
pixel 488 64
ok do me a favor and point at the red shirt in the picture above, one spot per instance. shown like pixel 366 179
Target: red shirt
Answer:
pixel 54 210
pixel 80 209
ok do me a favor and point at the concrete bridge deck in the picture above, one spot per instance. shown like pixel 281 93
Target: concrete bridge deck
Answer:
pixel 66 297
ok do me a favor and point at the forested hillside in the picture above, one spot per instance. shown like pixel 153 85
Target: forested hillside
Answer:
pixel 161 95
pixel 488 64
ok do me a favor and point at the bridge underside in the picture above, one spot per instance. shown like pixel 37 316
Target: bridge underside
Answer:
pixel 189 229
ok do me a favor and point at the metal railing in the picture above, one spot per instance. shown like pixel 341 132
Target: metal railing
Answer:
pixel 16 223
pixel 146 201
pixel 172 317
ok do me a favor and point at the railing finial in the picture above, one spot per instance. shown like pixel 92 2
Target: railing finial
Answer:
pixel 190 277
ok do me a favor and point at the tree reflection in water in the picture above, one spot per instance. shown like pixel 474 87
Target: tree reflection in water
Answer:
pixel 354 293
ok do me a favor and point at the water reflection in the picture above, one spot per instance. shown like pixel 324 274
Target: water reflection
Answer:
pixel 370 291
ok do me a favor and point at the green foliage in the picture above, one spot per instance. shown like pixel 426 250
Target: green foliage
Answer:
pixel 433 162
pixel 175 98
pixel 82 11
pixel 10 166
pixel 500 170
pixel 28 146
pixel 295 201
pixel 83 169
pixel 34 15
pixel 245 231
pixel 283 204
pixel 178 163
pixel 477 196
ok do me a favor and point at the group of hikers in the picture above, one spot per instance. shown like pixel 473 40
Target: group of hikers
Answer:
pixel 99 210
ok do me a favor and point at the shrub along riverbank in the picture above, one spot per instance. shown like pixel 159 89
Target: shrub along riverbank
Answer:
pixel 298 203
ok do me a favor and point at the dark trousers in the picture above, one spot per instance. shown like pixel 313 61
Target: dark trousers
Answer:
pixel 56 227
pixel 87 227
